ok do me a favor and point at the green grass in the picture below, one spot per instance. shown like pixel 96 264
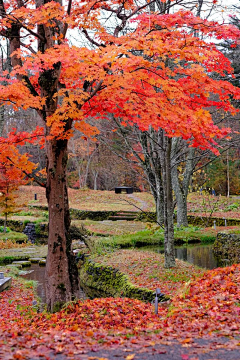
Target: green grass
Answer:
pixel 155 237
pixel 9 255
pixel 13 235
pixel 110 228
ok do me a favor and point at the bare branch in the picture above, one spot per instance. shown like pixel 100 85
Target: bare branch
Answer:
pixel 68 12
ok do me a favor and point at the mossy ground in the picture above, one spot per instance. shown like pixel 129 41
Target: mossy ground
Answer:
pixel 155 236
pixel 9 255
pixel 13 235
pixel 146 269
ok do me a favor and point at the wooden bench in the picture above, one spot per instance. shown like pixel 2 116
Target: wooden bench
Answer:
pixel 126 189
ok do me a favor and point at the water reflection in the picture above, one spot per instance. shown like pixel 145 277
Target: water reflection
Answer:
pixel 200 255
pixel 38 274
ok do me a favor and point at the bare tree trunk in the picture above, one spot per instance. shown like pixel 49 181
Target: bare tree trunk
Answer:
pixel 228 175
pixel 181 186
pixel 181 199
pixel 168 201
pixel 95 176
pixel 5 223
pixel 62 283
pixel 1 119
pixel 158 196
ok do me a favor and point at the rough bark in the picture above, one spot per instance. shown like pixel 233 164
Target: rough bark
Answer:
pixel 62 283
pixel 165 154
pixel 61 270
pixel 181 186
pixel 152 169
pixel 181 199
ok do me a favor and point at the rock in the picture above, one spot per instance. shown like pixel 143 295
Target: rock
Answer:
pixel 42 262
pixel 30 232
pixel 35 260
pixel 22 273
pixel 19 266
pixel 227 246
pixel 23 263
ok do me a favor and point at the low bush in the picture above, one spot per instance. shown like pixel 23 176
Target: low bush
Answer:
pixel 14 236
pixel 7 230
pixel 11 244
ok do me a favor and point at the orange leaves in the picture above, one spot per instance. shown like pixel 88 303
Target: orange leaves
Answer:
pixel 159 78
pixel 9 244
pixel 104 313
pixel 210 307
pixel 130 357
pixel 14 167
pixel 140 267
pixel 90 333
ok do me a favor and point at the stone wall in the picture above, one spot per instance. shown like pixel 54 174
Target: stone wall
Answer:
pixel 103 281
pixel 209 221
pixel 144 216
pixel 227 246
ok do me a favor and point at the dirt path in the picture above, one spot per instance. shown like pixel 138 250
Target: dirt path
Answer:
pixel 144 204
pixel 200 349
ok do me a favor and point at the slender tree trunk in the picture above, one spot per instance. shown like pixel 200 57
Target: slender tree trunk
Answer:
pixel 2 119
pixel 159 200
pixel 228 175
pixel 181 199
pixel 181 186
pixel 168 202
pixel 5 224
pixel 95 176
pixel 62 283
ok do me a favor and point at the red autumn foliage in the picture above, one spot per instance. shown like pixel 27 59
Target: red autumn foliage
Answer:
pixel 208 306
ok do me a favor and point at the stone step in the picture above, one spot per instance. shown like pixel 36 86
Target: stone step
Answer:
pixel 19 266
pixel 25 272
pixel 42 262
pixel 36 260
pixel 5 282
pixel 23 263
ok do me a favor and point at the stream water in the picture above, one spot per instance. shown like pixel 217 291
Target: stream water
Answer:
pixel 37 273
pixel 201 255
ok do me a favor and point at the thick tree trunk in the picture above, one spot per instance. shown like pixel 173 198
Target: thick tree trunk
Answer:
pixel 61 270
pixel 168 203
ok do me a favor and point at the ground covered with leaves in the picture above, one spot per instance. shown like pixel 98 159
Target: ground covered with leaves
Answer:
pixel 206 306
pixel 87 199
pixel 146 269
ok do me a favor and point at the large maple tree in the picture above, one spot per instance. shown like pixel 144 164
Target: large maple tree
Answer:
pixel 154 71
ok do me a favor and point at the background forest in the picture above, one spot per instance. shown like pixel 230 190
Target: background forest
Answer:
pixel 110 160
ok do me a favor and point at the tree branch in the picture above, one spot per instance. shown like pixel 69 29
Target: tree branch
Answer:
pixel 93 42
pixel 68 12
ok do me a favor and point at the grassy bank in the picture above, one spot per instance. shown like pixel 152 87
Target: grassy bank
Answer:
pixel 23 253
pixel 155 237
pixel 146 269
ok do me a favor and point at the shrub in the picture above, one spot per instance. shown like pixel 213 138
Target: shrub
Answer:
pixel 7 230
pixel 10 244
pixel 14 236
